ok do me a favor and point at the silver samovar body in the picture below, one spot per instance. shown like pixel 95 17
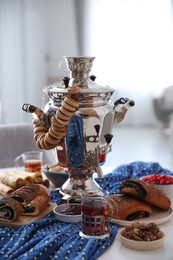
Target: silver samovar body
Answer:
pixel 87 140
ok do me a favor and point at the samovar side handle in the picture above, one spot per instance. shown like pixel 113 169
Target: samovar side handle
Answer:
pixel 37 113
pixel 121 106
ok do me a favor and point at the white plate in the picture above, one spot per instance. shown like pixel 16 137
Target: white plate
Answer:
pixel 158 217
pixel 61 216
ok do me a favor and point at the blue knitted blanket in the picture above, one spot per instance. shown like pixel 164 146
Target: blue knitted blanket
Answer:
pixel 48 238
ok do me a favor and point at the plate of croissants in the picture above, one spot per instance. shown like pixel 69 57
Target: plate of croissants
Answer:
pixel 142 202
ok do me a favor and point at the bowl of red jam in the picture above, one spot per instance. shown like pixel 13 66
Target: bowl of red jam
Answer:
pixel 161 181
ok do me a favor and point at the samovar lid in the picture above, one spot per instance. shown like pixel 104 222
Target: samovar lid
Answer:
pixel 91 93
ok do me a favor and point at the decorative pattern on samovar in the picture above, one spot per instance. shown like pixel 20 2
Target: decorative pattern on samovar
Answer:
pixel 77 124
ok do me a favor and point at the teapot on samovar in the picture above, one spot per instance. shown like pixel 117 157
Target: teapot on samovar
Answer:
pixel 77 124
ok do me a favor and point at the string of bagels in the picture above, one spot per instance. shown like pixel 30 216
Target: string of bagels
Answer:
pixel 49 138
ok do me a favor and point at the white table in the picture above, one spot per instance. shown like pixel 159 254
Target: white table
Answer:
pixel 120 252
pixel 117 251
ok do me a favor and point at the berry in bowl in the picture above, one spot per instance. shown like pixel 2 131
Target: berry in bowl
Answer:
pixel 162 182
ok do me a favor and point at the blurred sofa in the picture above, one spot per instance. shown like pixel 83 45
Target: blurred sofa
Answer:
pixel 16 139
pixel 163 106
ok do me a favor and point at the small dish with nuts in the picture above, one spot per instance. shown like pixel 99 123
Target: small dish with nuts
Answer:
pixel 140 236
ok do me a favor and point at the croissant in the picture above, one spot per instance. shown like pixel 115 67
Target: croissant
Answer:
pixel 34 198
pixel 146 192
pixel 5 189
pixel 11 179
pixel 10 209
pixel 129 208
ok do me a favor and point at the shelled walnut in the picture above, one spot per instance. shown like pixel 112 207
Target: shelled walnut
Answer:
pixel 142 232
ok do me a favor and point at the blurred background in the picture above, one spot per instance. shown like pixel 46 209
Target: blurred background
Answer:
pixel 131 39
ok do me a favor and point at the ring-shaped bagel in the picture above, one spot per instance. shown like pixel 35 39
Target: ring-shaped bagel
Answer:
pixel 60 115
pixel 73 90
pixel 66 112
pixel 71 102
pixel 51 140
pixel 68 107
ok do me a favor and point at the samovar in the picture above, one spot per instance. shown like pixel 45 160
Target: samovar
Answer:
pixel 77 124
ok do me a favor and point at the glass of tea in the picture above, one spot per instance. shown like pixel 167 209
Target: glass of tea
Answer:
pixel 96 213
pixel 31 161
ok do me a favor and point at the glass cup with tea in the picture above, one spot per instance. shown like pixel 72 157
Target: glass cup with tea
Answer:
pixel 31 161
pixel 96 214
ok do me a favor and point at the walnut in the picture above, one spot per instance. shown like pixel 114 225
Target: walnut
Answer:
pixel 142 232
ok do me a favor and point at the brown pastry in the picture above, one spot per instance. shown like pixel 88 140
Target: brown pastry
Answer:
pixel 10 209
pixel 11 179
pixel 34 198
pixel 129 208
pixel 31 177
pixel 146 192
pixel 5 189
